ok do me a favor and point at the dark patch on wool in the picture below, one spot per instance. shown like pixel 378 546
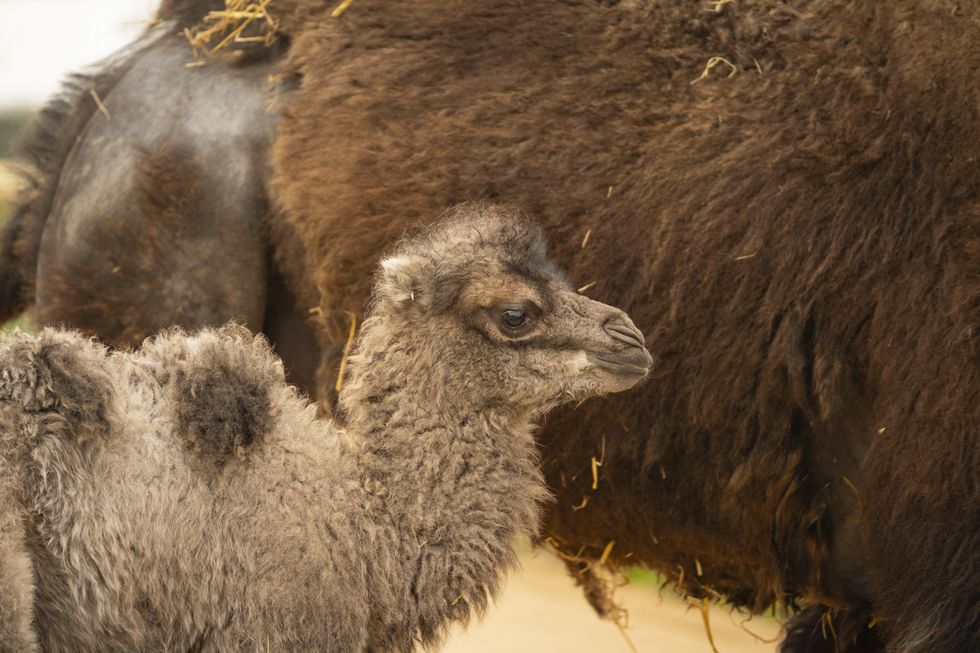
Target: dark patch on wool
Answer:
pixel 221 410
pixel 42 375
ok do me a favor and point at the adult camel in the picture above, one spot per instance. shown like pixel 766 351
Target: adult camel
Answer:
pixel 782 194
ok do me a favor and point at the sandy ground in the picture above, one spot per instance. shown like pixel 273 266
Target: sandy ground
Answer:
pixel 541 611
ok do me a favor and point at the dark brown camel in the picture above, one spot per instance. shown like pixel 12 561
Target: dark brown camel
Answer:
pixel 783 194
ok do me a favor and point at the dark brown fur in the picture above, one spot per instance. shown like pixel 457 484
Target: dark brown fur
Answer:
pixel 797 240
pixel 800 243
pixel 819 629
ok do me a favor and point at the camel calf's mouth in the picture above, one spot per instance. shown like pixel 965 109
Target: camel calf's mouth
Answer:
pixel 627 355
pixel 635 362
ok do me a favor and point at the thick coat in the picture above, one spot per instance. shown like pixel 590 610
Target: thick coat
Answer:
pixel 784 196
pixel 184 497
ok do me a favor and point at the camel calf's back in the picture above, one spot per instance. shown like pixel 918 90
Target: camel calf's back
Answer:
pixel 126 477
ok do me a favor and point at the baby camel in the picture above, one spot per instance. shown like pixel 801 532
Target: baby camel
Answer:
pixel 185 498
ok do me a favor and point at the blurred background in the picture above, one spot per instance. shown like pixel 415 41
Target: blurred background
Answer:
pixel 42 41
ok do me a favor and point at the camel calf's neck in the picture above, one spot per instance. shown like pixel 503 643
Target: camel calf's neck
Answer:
pixel 456 480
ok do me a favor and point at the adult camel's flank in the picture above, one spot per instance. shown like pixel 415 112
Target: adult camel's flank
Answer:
pixel 782 194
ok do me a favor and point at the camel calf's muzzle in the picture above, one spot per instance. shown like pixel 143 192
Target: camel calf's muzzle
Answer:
pixel 626 354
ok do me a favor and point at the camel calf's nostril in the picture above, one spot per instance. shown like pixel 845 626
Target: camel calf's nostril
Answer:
pixel 625 333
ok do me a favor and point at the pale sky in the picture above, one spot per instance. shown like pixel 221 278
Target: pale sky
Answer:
pixel 43 40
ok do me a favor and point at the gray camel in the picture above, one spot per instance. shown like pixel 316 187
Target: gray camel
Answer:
pixel 184 497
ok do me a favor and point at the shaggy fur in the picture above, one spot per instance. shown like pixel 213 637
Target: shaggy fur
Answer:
pixel 278 531
pixel 221 402
pixel 801 239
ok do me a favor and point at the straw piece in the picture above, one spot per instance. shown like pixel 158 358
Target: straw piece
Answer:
pixel 341 8
pixel 98 102
pixel 228 26
pixel 704 606
pixel 585 240
pixel 347 348
pixel 587 286
pixel 606 552
pixel 827 623
pixel 712 62
pixel 629 642
pixel 756 636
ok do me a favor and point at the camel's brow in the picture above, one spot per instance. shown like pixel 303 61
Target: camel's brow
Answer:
pixel 535 278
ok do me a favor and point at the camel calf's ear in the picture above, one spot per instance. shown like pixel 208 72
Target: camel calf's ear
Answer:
pixel 403 278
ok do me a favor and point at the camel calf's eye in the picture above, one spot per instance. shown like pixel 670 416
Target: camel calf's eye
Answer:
pixel 514 318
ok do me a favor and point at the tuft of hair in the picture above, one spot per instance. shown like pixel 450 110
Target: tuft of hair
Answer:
pixel 60 372
pixel 219 382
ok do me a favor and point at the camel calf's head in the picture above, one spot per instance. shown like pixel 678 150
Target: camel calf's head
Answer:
pixel 499 323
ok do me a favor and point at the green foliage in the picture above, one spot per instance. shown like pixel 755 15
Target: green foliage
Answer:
pixel 641 576
pixel 23 322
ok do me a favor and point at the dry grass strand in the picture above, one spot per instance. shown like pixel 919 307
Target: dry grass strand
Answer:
pixel 712 62
pixel 229 26
pixel 347 347
pixel 705 608
pixel 340 9
pixel 100 104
